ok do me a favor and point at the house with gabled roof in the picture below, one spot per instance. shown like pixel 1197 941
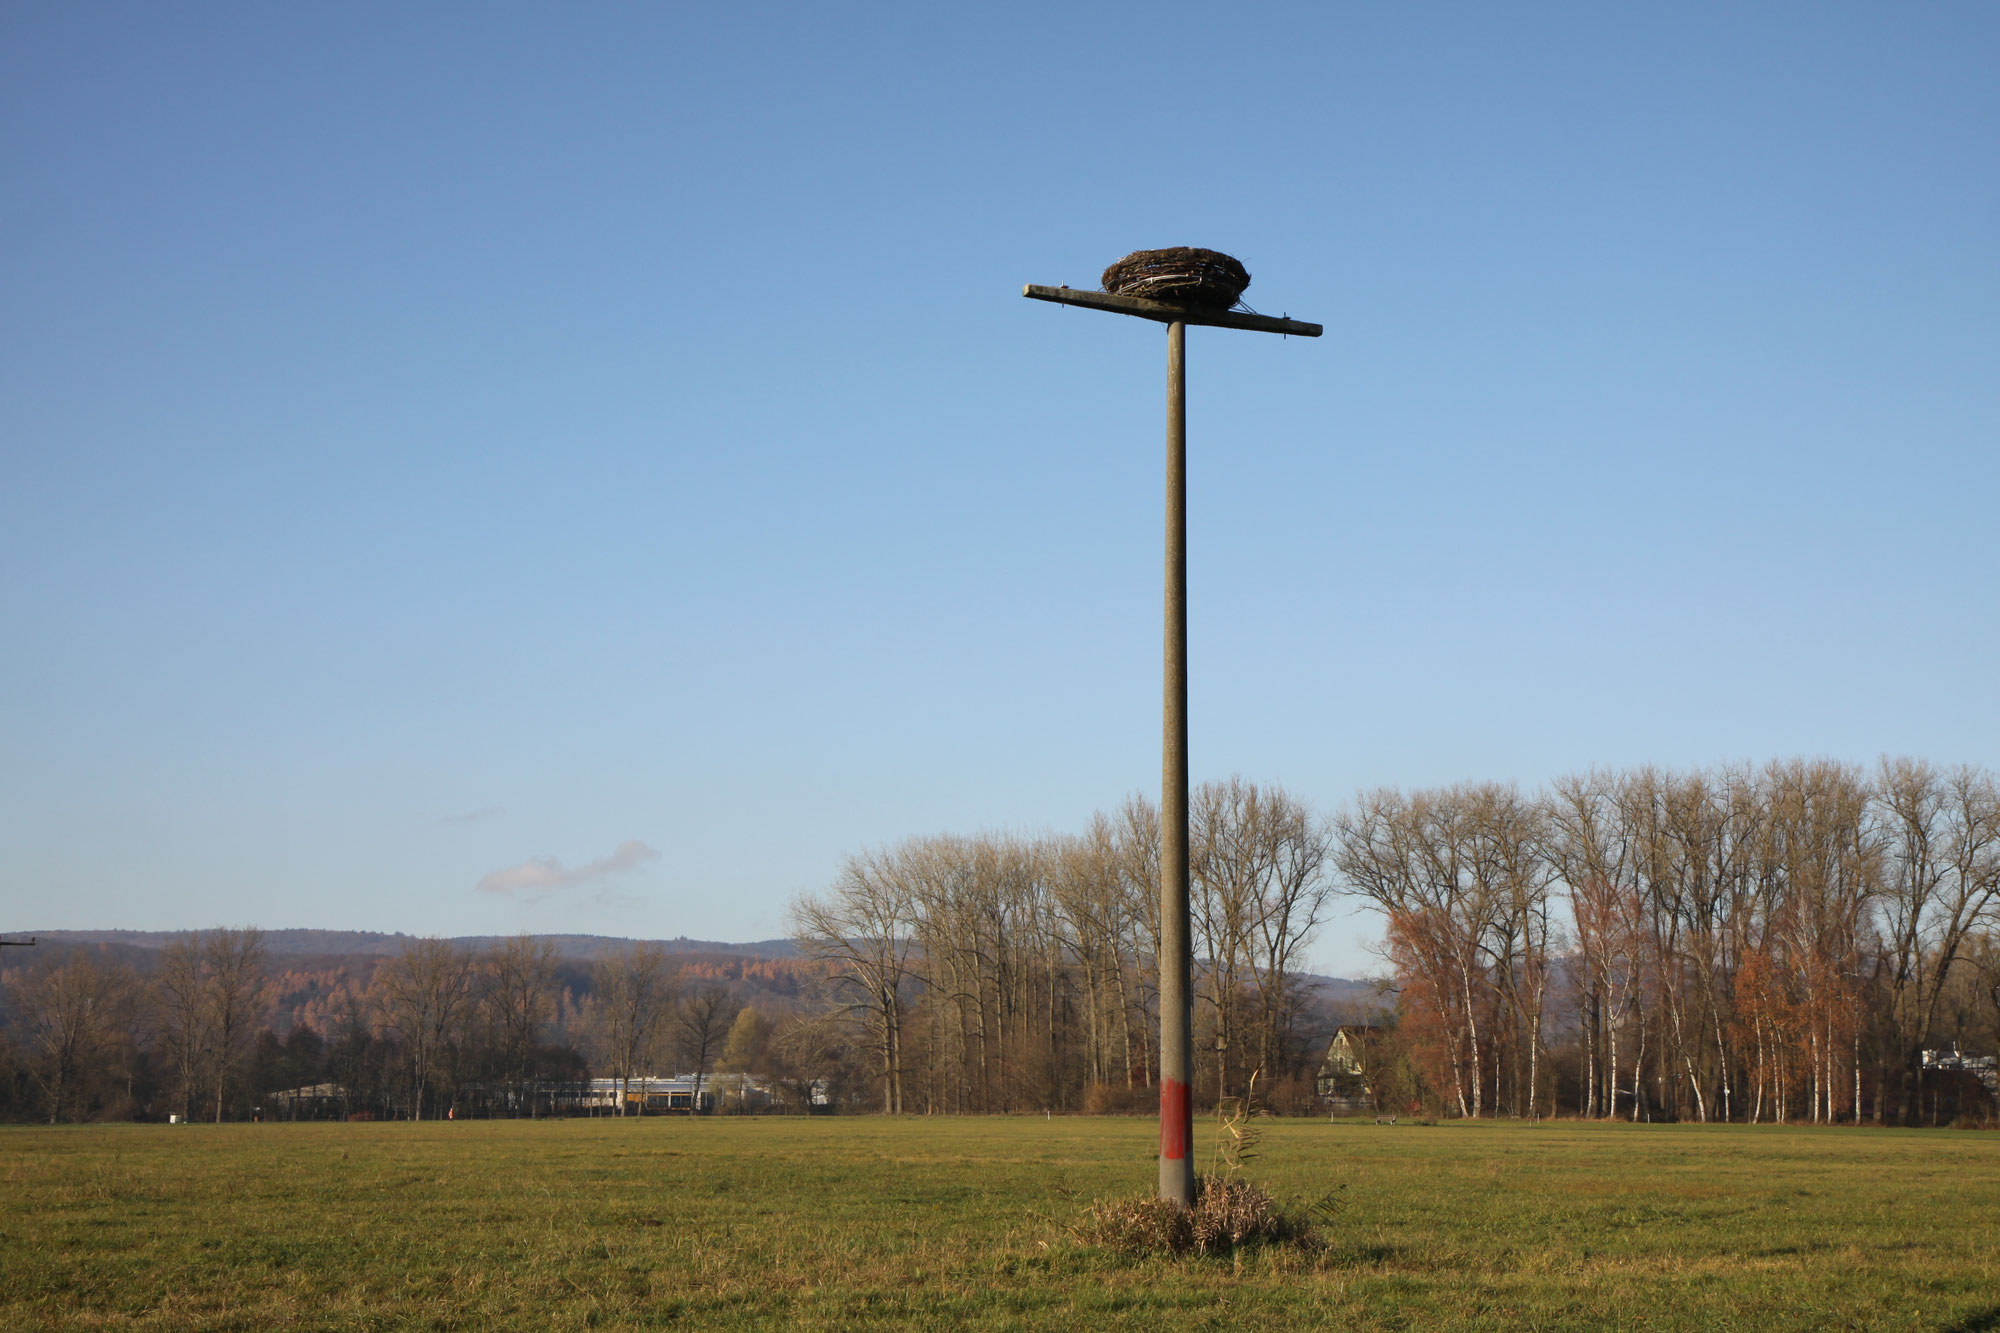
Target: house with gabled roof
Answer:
pixel 1344 1085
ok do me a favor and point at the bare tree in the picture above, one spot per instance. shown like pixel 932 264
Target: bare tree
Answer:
pixel 70 1013
pixel 423 996
pixel 1289 912
pixel 1089 923
pixel 632 993
pixel 863 931
pixel 207 1000
pixel 1827 863
pixel 1593 858
pixel 703 1018
pixel 805 1053
pixel 183 1015
pixel 1941 834
pixel 1230 857
pixel 234 962
pixel 1510 862
pixel 517 989
pixel 1420 860
pixel 1136 843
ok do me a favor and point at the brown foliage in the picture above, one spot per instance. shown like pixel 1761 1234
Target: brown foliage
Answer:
pixel 1118 1099
pixel 1294 1096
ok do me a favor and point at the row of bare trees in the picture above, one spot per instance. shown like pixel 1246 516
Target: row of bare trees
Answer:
pixel 642 1014
pixel 502 1017
pixel 1740 943
pixel 435 1025
pixel 998 972
pixel 68 1020
pixel 204 1009
pixel 79 1019
pixel 1753 944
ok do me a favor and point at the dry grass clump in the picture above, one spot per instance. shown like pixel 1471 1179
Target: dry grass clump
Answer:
pixel 1227 1213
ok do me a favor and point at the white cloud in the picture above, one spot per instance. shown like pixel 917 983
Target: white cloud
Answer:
pixel 541 876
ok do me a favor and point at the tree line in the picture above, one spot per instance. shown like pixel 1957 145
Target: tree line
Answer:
pixel 1000 973
pixel 1760 944
pixel 1779 943
pixel 437 1029
pixel 1756 944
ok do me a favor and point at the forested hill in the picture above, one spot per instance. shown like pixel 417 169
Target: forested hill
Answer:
pixel 320 977
pixel 318 974
pixel 379 944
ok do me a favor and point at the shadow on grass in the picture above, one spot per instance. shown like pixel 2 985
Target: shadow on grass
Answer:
pixel 1980 1321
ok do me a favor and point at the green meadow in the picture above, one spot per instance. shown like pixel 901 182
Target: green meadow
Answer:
pixel 964 1223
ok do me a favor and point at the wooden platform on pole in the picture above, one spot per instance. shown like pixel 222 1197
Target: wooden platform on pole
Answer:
pixel 1165 313
pixel 1176 961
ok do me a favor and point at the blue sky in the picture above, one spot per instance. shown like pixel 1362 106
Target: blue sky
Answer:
pixel 599 451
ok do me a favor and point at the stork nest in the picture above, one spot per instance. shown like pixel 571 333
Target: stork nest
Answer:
pixel 1182 275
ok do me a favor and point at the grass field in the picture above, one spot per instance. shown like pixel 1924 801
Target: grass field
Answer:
pixel 862 1222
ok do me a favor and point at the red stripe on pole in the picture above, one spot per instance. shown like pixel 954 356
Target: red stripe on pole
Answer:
pixel 1174 1119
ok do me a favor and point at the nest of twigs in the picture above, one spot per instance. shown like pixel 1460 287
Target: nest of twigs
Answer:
pixel 1182 275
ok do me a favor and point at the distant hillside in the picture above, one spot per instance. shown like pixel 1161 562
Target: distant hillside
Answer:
pixel 319 975
pixel 375 943
pixel 1346 1000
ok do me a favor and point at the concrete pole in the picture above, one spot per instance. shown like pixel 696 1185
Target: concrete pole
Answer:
pixel 1176 947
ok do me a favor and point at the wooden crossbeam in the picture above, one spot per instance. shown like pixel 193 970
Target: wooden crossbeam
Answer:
pixel 1168 313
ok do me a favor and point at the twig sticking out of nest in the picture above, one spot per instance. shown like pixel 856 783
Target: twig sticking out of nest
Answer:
pixel 1182 275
